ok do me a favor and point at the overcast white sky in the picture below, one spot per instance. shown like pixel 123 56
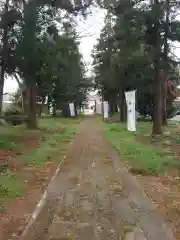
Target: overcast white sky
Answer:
pixel 90 28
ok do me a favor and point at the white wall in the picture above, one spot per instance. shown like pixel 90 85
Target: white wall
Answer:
pixel 6 105
pixel 99 108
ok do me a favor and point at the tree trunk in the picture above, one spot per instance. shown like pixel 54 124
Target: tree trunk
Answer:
pixel 164 108
pixel 157 111
pixel 112 105
pixel 166 64
pixel 24 105
pixel 1 89
pixel 49 104
pixel 28 49
pixel 40 110
pixel 31 121
pixel 41 106
pixel 3 56
pixel 102 103
pixel 115 106
pixel 122 106
pixel 25 102
pixel 54 110
pixel 95 106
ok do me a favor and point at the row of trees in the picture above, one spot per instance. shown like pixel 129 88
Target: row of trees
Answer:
pixel 134 52
pixel 39 48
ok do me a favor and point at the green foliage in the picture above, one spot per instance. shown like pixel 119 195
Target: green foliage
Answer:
pixel 14 116
pixel 17 100
pixel 125 53
pixel 41 48
pixel 63 76
pixel 12 110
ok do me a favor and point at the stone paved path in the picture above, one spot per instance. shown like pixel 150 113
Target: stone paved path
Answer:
pixel 98 198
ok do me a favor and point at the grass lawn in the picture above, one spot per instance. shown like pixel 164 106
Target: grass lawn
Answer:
pixel 21 148
pixel 142 156
pixel 156 165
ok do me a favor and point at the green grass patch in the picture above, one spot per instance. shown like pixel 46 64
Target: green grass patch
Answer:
pixel 8 135
pixel 144 157
pixel 146 128
pixel 178 138
pixel 53 122
pixel 10 186
pixel 50 148
pixel 56 132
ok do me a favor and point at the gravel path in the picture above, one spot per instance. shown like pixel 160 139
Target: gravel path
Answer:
pixel 98 199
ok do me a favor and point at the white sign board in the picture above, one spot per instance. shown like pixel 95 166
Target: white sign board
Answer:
pixel 72 109
pixel 99 108
pixel 131 110
pixel 106 109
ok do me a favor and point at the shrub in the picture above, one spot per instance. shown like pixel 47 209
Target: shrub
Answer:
pixel 12 110
pixel 171 111
pixel 13 116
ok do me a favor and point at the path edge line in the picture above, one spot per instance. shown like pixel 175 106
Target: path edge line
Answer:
pixel 35 226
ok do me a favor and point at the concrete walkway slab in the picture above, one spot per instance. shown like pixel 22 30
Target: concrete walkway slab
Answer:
pixel 98 198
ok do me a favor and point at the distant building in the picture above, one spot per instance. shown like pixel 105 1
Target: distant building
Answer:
pixel 7 101
pixel 93 97
pixel 95 100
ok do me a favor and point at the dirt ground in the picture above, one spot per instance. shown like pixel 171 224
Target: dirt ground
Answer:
pixel 34 180
pixel 164 190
